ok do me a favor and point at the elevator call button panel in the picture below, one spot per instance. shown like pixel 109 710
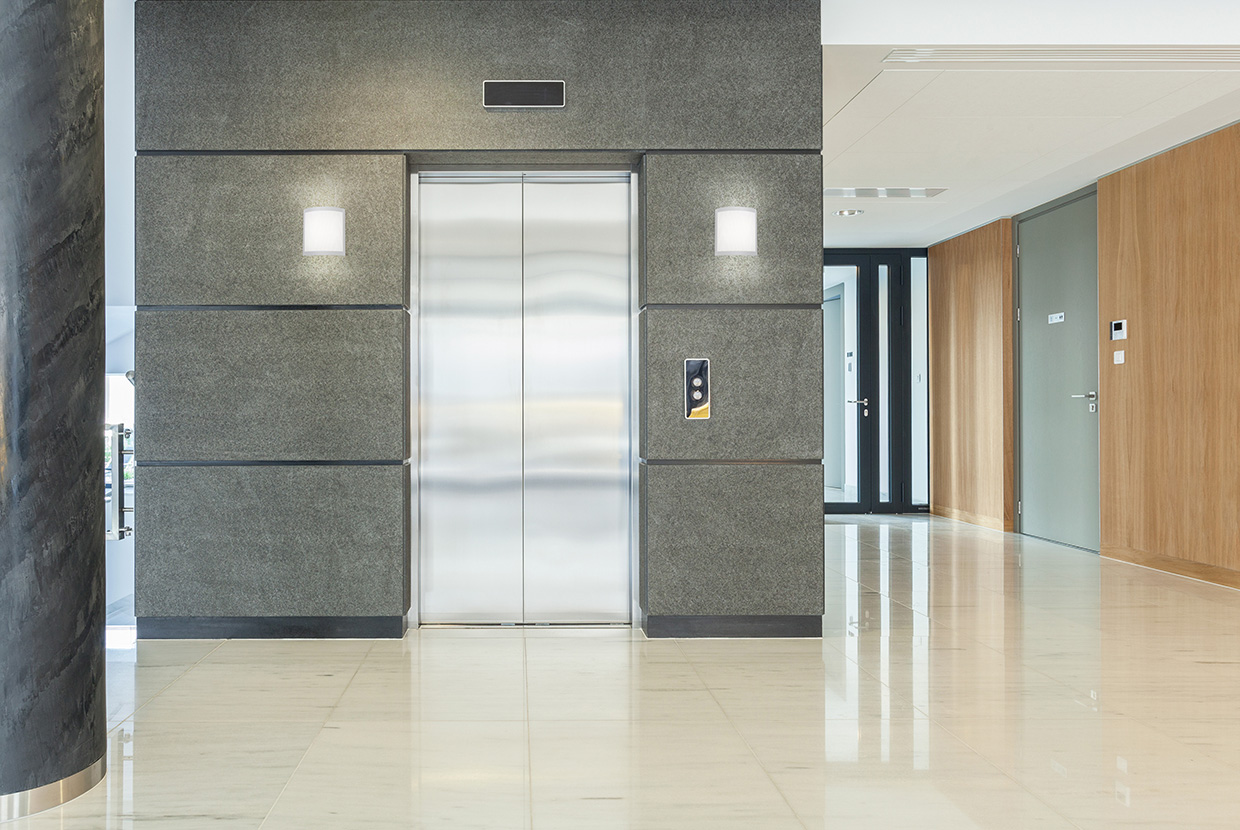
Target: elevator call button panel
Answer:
pixel 697 388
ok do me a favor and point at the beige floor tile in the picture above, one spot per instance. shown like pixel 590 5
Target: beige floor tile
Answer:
pixel 966 679
pixel 435 774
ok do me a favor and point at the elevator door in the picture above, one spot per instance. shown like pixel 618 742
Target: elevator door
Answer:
pixel 524 305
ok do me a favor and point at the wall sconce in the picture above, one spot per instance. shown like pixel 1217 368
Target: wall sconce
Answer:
pixel 323 232
pixel 736 231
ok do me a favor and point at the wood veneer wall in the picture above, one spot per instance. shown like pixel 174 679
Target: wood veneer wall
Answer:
pixel 972 452
pixel 1169 263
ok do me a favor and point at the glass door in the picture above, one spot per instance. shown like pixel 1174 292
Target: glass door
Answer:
pixel 875 382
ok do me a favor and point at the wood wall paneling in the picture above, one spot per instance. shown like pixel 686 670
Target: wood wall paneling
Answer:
pixel 971 391
pixel 1168 237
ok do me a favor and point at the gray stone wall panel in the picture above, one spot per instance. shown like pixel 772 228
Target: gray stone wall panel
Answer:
pixel 682 193
pixel 272 541
pixel 383 75
pixel 734 539
pixel 227 230
pixel 289 385
pixel 765 376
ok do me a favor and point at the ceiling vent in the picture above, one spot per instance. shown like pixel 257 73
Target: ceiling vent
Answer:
pixel 1067 54
pixel 882 192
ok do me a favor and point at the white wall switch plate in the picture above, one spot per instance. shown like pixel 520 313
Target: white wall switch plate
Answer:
pixel 1119 357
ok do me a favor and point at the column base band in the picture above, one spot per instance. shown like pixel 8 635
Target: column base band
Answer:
pixel 19 805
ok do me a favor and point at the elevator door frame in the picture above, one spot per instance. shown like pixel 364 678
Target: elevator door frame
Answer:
pixel 600 172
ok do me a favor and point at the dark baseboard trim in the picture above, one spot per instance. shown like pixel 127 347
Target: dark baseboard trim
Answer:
pixel 270 628
pixel 734 625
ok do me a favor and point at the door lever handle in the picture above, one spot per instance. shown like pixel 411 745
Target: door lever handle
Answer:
pixel 863 401
pixel 1093 396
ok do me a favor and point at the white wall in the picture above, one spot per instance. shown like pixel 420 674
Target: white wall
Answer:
pixel 118 175
pixel 1047 22
pixel 118 143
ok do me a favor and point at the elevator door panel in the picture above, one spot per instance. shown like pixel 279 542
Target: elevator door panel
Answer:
pixel 576 315
pixel 470 402
pixel 524 398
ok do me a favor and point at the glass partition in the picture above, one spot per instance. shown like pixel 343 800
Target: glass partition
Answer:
pixel 919 376
pixel 841 371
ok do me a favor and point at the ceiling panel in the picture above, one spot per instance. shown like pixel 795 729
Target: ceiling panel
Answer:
pixel 1001 137
pixel 978 136
pixel 887 92
pixel 859 168
pixel 1004 93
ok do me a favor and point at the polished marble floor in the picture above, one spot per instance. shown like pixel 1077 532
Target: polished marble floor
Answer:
pixel 967 679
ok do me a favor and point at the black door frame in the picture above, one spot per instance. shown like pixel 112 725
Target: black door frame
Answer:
pixel 899 351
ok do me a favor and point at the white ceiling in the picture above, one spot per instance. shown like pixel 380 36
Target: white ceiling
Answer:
pixel 1031 21
pixel 1002 136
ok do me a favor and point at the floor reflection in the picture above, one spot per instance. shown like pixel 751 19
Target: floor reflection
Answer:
pixel 966 679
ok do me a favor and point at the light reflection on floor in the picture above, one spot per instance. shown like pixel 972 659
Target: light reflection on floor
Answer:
pixel 966 679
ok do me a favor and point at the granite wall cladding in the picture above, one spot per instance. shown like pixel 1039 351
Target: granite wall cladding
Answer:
pixel 237 234
pixel 383 75
pixel 681 194
pixel 733 539
pixel 765 379
pixel 291 541
pixel 238 79
pixel 286 385
pixel 52 709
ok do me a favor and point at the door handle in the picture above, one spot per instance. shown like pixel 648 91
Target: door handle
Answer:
pixel 863 401
pixel 1092 396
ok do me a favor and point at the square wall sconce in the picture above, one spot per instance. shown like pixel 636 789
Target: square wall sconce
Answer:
pixel 736 231
pixel 323 232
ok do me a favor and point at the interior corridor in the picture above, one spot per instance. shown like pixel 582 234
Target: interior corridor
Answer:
pixel 967 678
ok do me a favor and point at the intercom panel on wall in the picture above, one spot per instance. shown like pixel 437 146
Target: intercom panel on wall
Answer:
pixel 697 388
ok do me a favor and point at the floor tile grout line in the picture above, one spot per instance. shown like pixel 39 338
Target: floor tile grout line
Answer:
pixel 999 652
pixel 732 723
pixel 1006 774
pixel 305 754
pixel 941 624
pixel 318 735
pixel 167 685
pixel 529 742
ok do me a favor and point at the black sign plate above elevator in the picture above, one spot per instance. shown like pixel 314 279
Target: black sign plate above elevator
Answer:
pixel 522 94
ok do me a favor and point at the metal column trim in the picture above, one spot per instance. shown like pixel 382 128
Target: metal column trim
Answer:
pixel 25 803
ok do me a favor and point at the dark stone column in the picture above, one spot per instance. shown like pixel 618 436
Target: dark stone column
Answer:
pixel 52 707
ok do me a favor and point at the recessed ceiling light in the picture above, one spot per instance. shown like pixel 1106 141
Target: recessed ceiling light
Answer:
pixel 882 192
pixel 849 212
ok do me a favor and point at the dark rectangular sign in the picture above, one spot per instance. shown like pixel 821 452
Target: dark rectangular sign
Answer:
pixel 523 93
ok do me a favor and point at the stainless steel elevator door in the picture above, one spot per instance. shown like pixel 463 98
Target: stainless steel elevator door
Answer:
pixel 576 401
pixel 525 320
pixel 470 402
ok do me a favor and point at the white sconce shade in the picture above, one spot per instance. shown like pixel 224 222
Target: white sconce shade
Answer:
pixel 323 232
pixel 736 231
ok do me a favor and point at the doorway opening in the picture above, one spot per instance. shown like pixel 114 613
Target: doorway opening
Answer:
pixel 525 316
pixel 876 432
